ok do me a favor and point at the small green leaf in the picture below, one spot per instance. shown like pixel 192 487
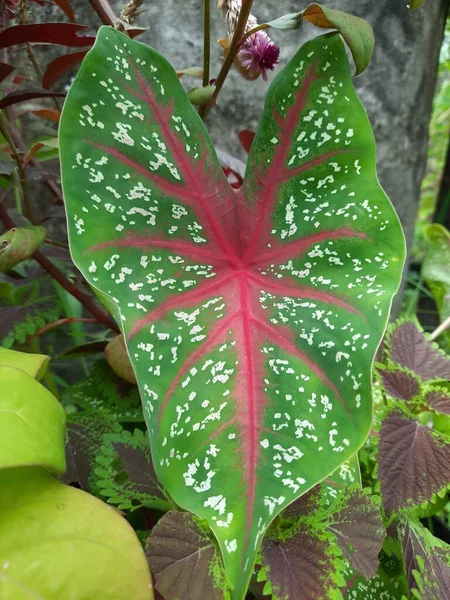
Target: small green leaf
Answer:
pixel 105 392
pixel 33 364
pixel 415 4
pixel 196 72
pixel 201 95
pixel 57 542
pixel 17 244
pixel 32 423
pixel 288 22
pixel 357 32
pixel 436 267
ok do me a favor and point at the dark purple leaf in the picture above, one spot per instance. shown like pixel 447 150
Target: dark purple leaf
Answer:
pixel 300 567
pixel 125 473
pixel 410 348
pixel 439 400
pixel 305 505
pixel 83 350
pixel 60 65
pixel 61 34
pixel 84 439
pixel 25 95
pixel 399 384
pixel 413 463
pixel 382 353
pixel 179 555
pixel 434 571
pixel 5 70
pixel 359 530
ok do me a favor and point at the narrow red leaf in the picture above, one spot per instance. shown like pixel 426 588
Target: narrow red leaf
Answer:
pixel 60 65
pixel 48 114
pixel 25 95
pixel 61 34
pixel 246 138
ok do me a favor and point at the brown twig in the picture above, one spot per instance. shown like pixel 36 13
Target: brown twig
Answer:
pixel 104 11
pixel 28 209
pixel 58 323
pixel 232 52
pixel 100 315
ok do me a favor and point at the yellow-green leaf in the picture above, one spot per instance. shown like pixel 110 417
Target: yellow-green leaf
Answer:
pixel 59 543
pixel 19 243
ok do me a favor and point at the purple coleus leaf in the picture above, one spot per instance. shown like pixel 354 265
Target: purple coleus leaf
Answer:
pixel 438 399
pixel 359 530
pixel 410 348
pixel 413 462
pixel 183 559
pixel 251 316
pixel 427 562
pixel 399 383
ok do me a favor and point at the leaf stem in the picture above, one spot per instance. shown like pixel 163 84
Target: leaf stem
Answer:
pixel 20 145
pixel 28 209
pixel 439 330
pixel 58 323
pixel 104 11
pixel 100 315
pixel 232 52
pixel 206 40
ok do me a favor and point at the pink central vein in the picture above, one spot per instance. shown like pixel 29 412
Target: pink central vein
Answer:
pixel 248 355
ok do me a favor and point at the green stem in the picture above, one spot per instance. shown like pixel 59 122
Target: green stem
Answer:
pixel 232 53
pixel 206 40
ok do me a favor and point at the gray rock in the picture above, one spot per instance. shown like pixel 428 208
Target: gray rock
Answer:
pixel 397 89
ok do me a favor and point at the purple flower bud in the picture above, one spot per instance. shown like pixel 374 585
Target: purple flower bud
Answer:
pixel 258 55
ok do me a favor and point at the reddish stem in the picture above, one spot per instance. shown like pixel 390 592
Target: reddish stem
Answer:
pixel 58 323
pixel 100 315
pixel 104 11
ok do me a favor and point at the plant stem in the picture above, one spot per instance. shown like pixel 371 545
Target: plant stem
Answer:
pixel 20 145
pixel 28 209
pixel 56 244
pixel 104 11
pixel 58 323
pixel 100 315
pixel 206 40
pixel 232 52
pixel 442 327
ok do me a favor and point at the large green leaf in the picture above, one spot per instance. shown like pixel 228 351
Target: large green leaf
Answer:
pixel 436 267
pixel 57 542
pixel 251 317
pixel 32 423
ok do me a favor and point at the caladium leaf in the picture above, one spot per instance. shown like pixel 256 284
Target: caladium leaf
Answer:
pixel 181 556
pixel 378 588
pixel 413 462
pixel 410 348
pixel 251 316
